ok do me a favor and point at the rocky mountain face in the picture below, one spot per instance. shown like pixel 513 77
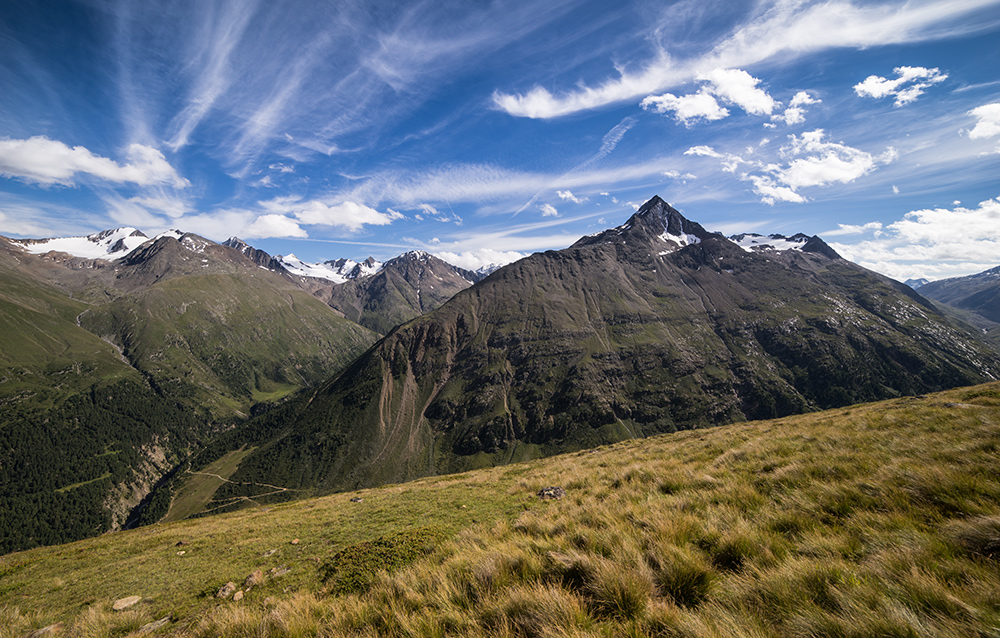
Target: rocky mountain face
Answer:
pixel 650 327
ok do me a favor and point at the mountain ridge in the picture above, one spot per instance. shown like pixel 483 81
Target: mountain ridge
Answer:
pixel 633 331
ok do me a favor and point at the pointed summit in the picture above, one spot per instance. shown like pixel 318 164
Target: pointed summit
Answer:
pixel 655 221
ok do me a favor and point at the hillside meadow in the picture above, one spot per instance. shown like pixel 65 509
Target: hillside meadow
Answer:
pixel 874 520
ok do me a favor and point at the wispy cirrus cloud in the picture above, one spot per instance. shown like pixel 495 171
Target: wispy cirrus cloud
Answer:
pixel 786 28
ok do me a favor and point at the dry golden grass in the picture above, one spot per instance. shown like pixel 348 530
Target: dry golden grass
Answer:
pixel 876 520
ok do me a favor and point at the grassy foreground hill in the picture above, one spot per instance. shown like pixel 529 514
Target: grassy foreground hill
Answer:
pixel 873 520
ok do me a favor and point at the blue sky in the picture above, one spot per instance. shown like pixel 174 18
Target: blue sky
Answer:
pixel 481 131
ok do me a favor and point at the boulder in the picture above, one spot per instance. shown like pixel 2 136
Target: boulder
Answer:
pixel 551 493
pixel 226 590
pixel 254 579
pixel 238 596
pixel 125 603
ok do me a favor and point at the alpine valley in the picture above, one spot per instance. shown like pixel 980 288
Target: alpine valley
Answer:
pixel 654 326
pixel 130 363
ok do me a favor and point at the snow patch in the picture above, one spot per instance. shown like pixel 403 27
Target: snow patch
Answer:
pixel 338 271
pixel 108 244
pixel 682 240
pixel 752 242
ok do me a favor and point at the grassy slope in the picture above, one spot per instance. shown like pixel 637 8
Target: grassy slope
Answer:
pixel 222 342
pixel 880 519
pixel 43 353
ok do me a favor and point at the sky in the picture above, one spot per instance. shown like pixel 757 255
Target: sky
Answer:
pixel 482 131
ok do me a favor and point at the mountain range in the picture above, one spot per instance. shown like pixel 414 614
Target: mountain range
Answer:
pixel 127 359
pixel 653 326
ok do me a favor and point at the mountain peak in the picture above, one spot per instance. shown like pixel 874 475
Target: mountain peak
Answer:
pixel 656 221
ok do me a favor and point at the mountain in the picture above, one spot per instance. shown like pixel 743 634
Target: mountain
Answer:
pixel 113 369
pixel 204 323
pixel 108 244
pixel 377 295
pixel 399 290
pixel 916 283
pixel 979 293
pixel 653 326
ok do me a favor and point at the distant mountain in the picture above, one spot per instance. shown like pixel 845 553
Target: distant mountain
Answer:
pixel 203 321
pixel 916 283
pixel 108 244
pixel 653 326
pixel 979 293
pixel 398 290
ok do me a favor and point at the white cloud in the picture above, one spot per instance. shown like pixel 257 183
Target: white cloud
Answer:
pixel 785 28
pixel 795 113
pixel 824 162
pixel 806 161
pixel 548 210
pixel 733 86
pixel 20 224
pixel 170 206
pixel 475 259
pixel 738 87
pixel 770 191
pixel 910 84
pixel 933 243
pixel 987 121
pixel 39 159
pixel 675 174
pixel 347 214
pixel 854 229
pixel 688 108
pixel 569 196
pixel 438 215
pixel 274 225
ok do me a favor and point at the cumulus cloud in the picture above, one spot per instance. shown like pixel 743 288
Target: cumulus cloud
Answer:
pixel 825 162
pixel 569 196
pixel 482 257
pixel 548 210
pixel 933 243
pixel 795 113
pixel 987 121
pixel 732 86
pixel 780 30
pixel 686 109
pixel 807 160
pixel 910 84
pixel 45 161
pixel 347 214
pixel 738 87
pixel 274 225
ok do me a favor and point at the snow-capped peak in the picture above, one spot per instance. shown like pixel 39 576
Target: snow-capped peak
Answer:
pixel 752 242
pixel 107 244
pixel 337 271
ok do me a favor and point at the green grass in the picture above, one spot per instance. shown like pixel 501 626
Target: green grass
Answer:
pixel 198 488
pixel 67 488
pixel 873 520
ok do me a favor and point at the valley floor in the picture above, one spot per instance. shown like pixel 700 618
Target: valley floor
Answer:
pixel 873 520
